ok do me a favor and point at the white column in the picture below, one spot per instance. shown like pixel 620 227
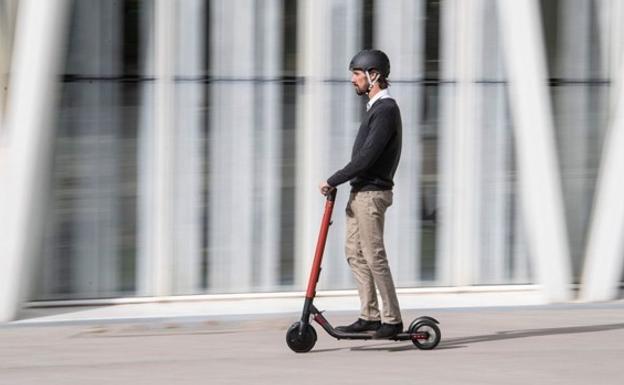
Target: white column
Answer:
pixel 313 127
pixel 37 55
pixel 403 41
pixel 539 180
pixel 344 110
pixel 146 162
pixel 328 116
pixel 604 256
pixel 269 146
pixel 188 145
pixel 459 245
pixel 496 182
pixel 164 156
pixel 232 130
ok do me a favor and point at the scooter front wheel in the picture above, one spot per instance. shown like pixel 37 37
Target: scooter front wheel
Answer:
pixel 300 343
pixel 430 330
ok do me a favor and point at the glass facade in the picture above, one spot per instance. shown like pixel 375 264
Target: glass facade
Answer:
pixel 263 110
pixel 91 248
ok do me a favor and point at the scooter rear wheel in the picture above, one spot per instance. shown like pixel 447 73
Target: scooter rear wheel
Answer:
pixel 303 343
pixel 431 329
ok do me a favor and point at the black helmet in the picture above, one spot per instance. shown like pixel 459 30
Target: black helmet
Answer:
pixel 371 59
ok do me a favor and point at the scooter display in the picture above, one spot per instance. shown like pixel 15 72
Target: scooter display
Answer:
pixel 301 336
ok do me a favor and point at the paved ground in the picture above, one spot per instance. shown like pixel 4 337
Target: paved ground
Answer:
pixel 565 344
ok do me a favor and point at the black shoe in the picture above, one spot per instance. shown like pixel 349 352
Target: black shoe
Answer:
pixel 389 330
pixel 360 326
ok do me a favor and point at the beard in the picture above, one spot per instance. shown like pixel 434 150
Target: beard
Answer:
pixel 359 91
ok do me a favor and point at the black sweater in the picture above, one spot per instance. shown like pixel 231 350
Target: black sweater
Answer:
pixel 376 150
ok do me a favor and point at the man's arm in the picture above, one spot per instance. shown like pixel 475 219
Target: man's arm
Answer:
pixel 381 130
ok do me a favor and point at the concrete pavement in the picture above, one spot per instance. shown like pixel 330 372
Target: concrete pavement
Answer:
pixel 560 344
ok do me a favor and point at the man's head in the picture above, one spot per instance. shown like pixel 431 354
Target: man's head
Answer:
pixel 370 67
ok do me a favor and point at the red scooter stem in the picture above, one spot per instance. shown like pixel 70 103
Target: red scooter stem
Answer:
pixel 320 244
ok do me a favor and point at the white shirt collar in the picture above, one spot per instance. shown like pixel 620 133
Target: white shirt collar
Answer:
pixel 383 94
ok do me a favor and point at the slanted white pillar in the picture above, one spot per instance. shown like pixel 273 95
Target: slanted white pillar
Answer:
pixel 399 32
pixel 604 257
pixel 539 179
pixel 37 55
pixel 605 246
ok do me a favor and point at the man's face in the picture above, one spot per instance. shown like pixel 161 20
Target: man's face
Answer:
pixel 359 81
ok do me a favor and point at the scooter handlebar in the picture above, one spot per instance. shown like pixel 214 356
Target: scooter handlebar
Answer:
pixel 331 194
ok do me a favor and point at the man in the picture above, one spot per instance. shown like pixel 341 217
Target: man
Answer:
pixel 374 161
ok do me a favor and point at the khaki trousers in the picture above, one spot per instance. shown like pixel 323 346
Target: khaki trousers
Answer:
pixel 366 255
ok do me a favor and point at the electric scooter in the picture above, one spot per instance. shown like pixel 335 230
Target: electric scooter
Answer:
pixel 301 336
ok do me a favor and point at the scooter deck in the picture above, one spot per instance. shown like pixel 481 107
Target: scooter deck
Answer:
pixel 367 335
pixel 370 335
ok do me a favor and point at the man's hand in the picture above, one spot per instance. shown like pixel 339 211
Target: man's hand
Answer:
pixel 325 188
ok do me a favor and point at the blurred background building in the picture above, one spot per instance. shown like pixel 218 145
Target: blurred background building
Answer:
pixel 185 140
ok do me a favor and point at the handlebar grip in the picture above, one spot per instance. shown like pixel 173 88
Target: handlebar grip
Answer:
pixel 331 194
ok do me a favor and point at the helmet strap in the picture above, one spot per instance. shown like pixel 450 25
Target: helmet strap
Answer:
pixel 371 83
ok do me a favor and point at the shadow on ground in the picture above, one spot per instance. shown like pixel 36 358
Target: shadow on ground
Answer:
pixel 463 342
